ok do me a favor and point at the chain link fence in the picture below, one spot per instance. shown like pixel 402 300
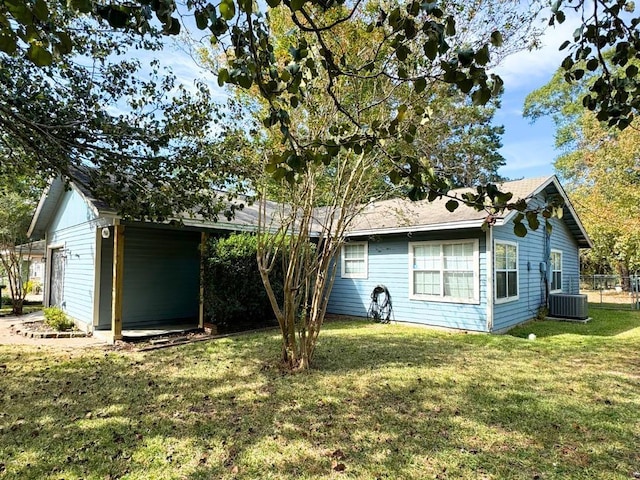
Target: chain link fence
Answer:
pixel 612 291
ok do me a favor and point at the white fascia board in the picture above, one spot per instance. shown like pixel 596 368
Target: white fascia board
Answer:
pixel 417 228
pixel 38 211
pixel 568 204
pixel 554 179
pixel 541 187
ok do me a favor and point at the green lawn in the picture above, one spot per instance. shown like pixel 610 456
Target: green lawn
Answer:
pixel 383 402
pixel 28 307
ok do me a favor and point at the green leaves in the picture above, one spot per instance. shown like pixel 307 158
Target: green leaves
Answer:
pixel 173 26
pixel 41 11
pixel 116 17
pixel 223 76
pixel 481 96
pixel 227 9
pixel 39 56
pixel 602 49
pixel 202 19
pixel 419 85
pixel 297 5
pixel 520 230
pixel 8 43
pixel 532 220
pixel 496 38
pixel 82 6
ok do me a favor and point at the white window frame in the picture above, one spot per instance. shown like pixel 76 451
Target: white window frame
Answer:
pixel 441 297
pixel 365 272
pixel 552 271
pixel 496 270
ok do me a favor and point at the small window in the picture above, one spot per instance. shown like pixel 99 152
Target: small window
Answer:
pixel 354 260
pixel 506 271
pixel 556 271
pixel 444 271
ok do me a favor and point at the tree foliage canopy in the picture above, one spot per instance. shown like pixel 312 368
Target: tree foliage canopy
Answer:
pixel 601 167
pixel 142 134
pixel 416 45
pixel 37 29
pixel 18 197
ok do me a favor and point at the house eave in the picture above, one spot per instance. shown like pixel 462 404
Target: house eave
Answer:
pixel 36 215
pixel 466 224
pixel 52 193
pixel 582 238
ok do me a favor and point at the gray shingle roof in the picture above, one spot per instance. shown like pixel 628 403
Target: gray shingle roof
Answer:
pixel 403 214
pixel 389 216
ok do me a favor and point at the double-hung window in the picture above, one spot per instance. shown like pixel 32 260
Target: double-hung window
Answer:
pixel 354 260
pixel 506 271
pixel 444 271
pixel 556 271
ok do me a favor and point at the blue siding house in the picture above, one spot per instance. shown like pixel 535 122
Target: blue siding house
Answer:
pixel 112 275
pixel 441 269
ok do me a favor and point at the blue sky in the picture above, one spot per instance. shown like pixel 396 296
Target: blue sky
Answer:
pixel 527 148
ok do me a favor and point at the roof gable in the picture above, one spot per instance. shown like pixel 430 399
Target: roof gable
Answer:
pixel 398 215
pixel 401 215
pixel 244 219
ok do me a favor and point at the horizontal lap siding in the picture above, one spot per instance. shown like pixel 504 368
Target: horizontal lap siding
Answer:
pixel 161 276
pixel 74 225
pixel 561 239
pixel 531 281
pixel 389 265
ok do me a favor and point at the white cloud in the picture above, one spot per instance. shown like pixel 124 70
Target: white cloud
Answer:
pixel 528 67
pixel 528 158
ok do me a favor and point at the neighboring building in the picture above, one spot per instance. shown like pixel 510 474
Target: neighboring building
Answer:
pixel 32 266
pixel 33 253
pixel 441 269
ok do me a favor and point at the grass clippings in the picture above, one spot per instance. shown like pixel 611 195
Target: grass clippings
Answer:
pixel 382 402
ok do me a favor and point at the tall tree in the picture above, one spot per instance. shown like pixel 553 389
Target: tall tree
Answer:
pixel 326 166
pixel 18 198
pixel 601 167
pixel 140 133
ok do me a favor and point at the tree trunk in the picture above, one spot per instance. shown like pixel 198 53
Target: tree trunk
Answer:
pixel 623 271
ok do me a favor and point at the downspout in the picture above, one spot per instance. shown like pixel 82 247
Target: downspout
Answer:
pixel 489 273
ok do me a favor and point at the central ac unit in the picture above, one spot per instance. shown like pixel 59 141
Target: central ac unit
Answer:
pixel 563 305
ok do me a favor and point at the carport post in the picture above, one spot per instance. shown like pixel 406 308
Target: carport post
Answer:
pixel 203 245
pixel 116 293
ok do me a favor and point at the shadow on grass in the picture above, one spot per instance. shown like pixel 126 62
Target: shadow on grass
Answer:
pixel 385 402
pixel 604 323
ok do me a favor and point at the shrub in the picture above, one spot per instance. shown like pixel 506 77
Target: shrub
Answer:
pixel 33 286
pixel 234 295
pixel 57 319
